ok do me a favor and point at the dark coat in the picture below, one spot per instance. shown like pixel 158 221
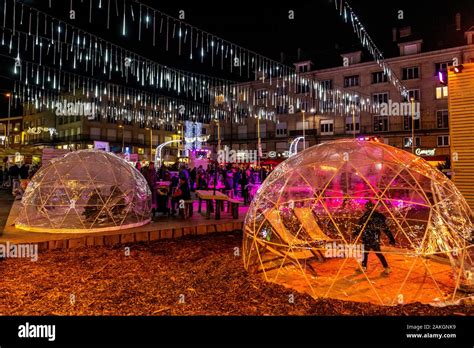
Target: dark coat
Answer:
pixel 371 233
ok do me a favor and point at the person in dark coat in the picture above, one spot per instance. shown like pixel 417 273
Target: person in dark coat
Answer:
pixel 152 179
pixel 192 177
pixel 24 169
pixel 244 187
pixel 374 223
pixel 182 193
pixel 236 180
pixel 138 166
pixel 14 172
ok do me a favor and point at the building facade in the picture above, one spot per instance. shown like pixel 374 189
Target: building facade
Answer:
pixel 427 100
pixel 46 129
pixel 11 132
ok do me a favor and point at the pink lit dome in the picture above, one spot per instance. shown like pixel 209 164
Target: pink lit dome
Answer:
pixel 309 224
pixel 85 191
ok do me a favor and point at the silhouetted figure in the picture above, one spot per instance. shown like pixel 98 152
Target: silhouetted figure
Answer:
pixel 182 193
pixel 374 222
pixel 192 176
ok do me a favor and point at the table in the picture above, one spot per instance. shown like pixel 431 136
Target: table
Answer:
pixel 163 183
pixel 209 196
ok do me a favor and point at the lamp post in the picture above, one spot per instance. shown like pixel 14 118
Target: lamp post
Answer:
pixel 304 129
pixel 353 121
pixel 259 143
pixel 218 135
pixel 313 112
pixel 151 142
pixel 412 125
pixel 123 137
pixel 7 130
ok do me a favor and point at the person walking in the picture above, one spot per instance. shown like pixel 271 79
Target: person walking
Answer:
pixel 374 222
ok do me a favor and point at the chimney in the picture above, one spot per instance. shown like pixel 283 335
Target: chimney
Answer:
pixel 394 34
pixel 469 35
pixel 458 21
pixel 405 31
pixel 282 57
pixel 299 54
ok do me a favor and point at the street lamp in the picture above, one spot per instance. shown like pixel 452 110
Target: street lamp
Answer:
pixel 218 134
pixel 7 131
pixel 259 142
pixel 353 121
pixel 123 137
pixel 313 111
pixel 304 129
pixel 151 142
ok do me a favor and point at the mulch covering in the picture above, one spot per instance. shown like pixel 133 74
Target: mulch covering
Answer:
pixel 155 279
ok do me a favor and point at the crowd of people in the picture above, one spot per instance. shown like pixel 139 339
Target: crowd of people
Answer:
pixel 12 176
pixel 235 181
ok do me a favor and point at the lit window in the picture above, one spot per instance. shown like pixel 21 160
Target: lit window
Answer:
pixel 407 142
pixel 442 67
pixel 327 127
pixel 441 92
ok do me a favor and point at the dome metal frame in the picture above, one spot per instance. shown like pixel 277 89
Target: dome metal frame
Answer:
pixel 316 199
pixel 85 191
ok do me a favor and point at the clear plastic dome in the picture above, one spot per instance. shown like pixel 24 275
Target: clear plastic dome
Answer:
pixel 85 191
pixel 320 213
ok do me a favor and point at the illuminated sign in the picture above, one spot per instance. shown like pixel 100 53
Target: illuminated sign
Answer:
pixel 425 152
pixel 102 145
pixel 39 130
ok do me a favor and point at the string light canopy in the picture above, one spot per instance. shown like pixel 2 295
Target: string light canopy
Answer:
pixel 45 87
pixel 198 88
pixel 309 226
pixel 346 12
pixel 45 36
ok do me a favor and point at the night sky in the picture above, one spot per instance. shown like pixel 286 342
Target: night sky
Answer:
pixel 264 26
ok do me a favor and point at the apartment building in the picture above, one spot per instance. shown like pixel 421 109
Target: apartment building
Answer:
pixel 418 71
pixel 46 129
pixel 10 132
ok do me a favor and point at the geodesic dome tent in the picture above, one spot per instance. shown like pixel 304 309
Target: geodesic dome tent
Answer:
pixel 308 224
pixel 85 191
